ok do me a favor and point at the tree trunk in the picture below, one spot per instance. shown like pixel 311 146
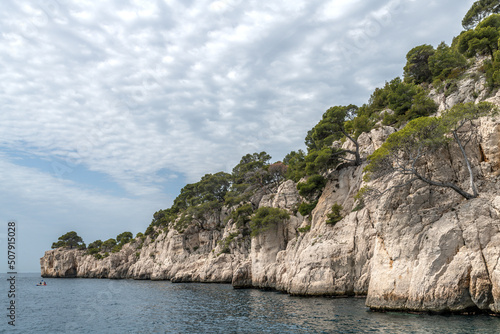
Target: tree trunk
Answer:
pixel 467 162
pixel 356 153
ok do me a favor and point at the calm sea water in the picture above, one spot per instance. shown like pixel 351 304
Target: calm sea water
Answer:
pixel 128 306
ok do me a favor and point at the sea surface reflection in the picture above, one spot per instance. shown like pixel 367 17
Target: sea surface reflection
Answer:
pixel 128 306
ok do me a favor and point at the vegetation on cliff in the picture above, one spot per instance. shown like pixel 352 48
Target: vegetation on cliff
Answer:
pixel 407 151
pixel 265 218
pixel 335 214
pixel 480 10
pixel 70 239
pixel 444 66
pixel 97 248
pixel 332 143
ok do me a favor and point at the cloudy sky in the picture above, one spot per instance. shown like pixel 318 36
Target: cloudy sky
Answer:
pixel 108 108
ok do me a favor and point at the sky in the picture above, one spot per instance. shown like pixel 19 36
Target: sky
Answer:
pixel 108 108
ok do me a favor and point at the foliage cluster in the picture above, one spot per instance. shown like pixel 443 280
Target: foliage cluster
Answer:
pixel 265 218
pixel 306 208
pixel 241 216
pixel 335 214
pixel 227 241
pixel 444 65
pixel 320 154
pixel 296 165
pixel 312 187
pixel 121 240
pixel 406 100
pixel 112 245
pixel 424 64
pixel 304 229
pixel 483 39
pixel 252 173
pixel 403 100
pixel 70 239
pixel 480 10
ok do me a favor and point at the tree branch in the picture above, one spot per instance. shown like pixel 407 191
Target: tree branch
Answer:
pixel 459 190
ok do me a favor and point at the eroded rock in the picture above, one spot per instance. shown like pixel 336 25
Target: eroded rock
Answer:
pixel 415 248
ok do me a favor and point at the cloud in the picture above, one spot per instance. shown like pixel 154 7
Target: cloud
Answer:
pixel 134 88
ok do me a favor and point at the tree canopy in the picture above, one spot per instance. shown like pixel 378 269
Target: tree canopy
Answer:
pixel 483 39
pixel 277 172
pixel 296 165
pixel 319 139
pixel 96 244
pixel 70 239
pixel 124 237
pixel 251 168
pixel 444 61
pixel 417 66
pixel 108 245
pixel 480 10
pixel 407 100
pixel 211 187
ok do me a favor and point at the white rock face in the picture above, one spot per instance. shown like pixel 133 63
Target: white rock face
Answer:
pixel 60 263
pixel 435 251
pixel 329 260
pixel 443 265
pixel 370 141
pixel 416 248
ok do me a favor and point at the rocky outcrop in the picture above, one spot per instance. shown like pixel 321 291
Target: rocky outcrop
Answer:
pixel 330 260
pixel 191 256
pixel 415 248
pixel 435 251
pixel 449 266
pixel 60 263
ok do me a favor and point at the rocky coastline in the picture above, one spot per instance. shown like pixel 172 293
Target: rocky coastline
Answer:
pixel 414 248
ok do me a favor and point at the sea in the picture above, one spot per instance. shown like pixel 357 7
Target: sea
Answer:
pixel 132 306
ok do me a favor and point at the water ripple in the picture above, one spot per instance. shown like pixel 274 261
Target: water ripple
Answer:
pixel 127 306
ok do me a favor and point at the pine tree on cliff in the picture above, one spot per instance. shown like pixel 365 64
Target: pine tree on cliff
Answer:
pixel 480 10
pixel 408 151
pixel 70 239
pixel 319 139
pixel 483 39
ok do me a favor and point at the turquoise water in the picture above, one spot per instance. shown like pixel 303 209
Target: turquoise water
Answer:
pixel 128 306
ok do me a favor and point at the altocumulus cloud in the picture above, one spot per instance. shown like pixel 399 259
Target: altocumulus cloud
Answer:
pixel 149 95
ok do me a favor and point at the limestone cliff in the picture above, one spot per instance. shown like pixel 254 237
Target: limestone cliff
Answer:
pixel 415 248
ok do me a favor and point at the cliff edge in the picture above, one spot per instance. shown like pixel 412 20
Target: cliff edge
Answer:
pixel 414 248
